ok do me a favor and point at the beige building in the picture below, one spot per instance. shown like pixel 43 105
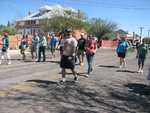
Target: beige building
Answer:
pixel 32 22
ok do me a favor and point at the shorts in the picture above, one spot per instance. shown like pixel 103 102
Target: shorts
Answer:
pixel 141 61
pixel 67 62
pixel 80 52
pixel 121 55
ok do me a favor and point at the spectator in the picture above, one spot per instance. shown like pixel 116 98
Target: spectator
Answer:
pixel 5 49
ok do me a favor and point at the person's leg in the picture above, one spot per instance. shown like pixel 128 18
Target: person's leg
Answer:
pixel 78 54
pixel 63 75
pixel 142 64
pixel 82 55
pixel 124 62
pixel 139 64
pixel 39 54
pixel 43 50
pixel 2 57
pixel 74 74
pixel 32 52
pixel 8 57
pixel 90 61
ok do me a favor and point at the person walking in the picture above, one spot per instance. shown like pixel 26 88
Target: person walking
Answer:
pixel 42 47
pixel 53 44
pixel 142 52
pixel 5 49
pixel 23 46
pixel 122 50
pixel 81 49
pixel 91 47
pixel 68 55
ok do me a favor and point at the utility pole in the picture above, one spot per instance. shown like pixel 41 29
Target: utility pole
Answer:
pixel 141 29
pixel 148 32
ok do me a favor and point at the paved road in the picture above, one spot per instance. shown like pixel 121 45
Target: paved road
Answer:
pixel 30 87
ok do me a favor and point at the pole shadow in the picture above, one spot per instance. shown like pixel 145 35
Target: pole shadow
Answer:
pixel 108 66
pixel 126 71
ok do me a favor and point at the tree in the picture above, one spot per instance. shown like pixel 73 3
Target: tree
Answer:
pixel 9 30
pixel 99 27
pixel 59 23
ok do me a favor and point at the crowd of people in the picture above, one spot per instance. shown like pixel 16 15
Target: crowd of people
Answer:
pixel 71 49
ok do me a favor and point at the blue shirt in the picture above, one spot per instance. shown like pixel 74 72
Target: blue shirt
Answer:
pixel 122 47
pixel 53 42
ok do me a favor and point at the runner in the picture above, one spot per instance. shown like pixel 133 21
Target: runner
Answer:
pixel 81 49
pixel 122 50
pixel 142 52
pixel 5 49
pixel 53 44
pixel 68 57
pixel 91 47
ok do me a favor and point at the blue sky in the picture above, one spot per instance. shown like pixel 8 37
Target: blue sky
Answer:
pixel 128 14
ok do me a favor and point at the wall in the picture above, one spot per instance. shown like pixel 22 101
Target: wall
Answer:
pixel 108 44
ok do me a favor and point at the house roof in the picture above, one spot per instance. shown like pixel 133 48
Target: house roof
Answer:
pixel 46 12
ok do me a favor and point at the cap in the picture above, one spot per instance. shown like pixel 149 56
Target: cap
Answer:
pixel 68 30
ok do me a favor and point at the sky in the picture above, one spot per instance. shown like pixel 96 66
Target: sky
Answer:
pixel 129 15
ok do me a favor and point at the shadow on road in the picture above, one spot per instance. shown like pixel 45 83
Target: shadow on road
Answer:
pixel 133 98
pixel 70 97
pixel 141 89
pixel 126 71
pixel 108 66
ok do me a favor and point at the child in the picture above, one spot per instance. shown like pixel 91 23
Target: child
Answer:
pixel 142 52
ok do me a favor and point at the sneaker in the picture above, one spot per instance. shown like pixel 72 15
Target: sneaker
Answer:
pixel 9 63
pixel 87 75
pixel 75 78
pixel 120 66
pixel 63 80
pixel 141 71
pixel 81 64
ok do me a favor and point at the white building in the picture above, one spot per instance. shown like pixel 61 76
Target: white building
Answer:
pixel 31 23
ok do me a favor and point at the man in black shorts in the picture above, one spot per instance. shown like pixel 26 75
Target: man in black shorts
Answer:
pixel 68 55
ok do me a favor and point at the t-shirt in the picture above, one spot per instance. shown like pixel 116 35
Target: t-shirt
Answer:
pixel 91 46
pixel 122 47
pixel 35 41
pixel 142 51
pixel 53 42
pixel 70 45
pixel 5 41
pixel 81 43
